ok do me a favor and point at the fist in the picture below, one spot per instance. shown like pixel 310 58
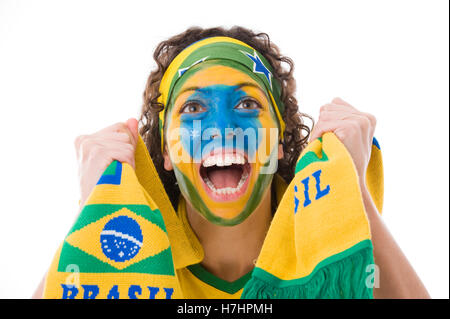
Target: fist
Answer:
pixel 96 151
pixel 354 129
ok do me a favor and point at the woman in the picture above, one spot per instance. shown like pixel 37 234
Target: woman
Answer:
pixel 227 193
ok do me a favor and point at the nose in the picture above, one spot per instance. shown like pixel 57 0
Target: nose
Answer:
pixel 221 126
pixel 229 133
pixel 215 135
pixel 221 120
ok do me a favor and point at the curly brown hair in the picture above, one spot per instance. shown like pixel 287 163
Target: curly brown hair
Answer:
pixel 296 133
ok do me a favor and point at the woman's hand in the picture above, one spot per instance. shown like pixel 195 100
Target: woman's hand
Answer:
pixel 354 129
pixel 96 151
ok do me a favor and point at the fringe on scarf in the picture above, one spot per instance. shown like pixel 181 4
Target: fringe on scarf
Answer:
pixel 347 278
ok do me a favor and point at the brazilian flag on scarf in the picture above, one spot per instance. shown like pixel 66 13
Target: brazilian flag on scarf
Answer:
pixel 118 246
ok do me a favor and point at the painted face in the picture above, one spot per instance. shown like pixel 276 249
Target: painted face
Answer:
pixel 222 140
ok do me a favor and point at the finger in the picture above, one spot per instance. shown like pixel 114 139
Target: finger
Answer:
pixel 339 101
pixel 340 134
pixel 336 107
pixel 322 127
pixel 117 128
pixel 120 137
pixel 78 141
pixel 372 119
pixel 337 115
pixel 360 122
pixel 113 137
pixel 132 125
pixel 114 144
pixel 123 153
pixel 100 147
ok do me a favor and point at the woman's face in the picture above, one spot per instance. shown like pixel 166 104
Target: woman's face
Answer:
pixel 222 141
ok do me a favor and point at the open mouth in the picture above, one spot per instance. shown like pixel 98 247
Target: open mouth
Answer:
pixel 225 176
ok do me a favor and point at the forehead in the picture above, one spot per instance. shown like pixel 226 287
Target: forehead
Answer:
pixel 205 76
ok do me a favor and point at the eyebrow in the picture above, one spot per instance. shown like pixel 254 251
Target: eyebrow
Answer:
pixel 239 86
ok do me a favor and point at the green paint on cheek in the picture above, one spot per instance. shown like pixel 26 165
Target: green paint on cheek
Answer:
pixel 191 194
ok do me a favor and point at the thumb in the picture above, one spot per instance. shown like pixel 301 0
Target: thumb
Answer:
pixel 314 134
pixel 321 128
pixel 132 125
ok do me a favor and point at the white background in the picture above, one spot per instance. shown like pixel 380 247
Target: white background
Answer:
pixel 73 67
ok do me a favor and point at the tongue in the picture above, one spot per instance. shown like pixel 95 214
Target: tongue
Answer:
pixel 225 177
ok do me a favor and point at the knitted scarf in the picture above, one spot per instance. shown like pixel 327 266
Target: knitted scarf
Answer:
pixel 128 241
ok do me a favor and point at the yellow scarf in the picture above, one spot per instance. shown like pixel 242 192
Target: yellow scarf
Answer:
pixel 128 241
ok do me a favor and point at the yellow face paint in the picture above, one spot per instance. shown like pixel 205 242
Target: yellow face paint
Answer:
pixel 222 139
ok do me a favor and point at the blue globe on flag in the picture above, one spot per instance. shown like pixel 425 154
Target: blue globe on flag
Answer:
pixel 121 238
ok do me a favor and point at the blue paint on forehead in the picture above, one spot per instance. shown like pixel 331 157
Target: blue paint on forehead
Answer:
pixel 219 119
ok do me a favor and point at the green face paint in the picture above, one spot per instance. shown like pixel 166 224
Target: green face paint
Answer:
pixel 192 195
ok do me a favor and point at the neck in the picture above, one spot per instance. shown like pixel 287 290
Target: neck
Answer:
pixel 231 251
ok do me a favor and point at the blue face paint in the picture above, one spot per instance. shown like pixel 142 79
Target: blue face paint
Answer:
pixel 218 118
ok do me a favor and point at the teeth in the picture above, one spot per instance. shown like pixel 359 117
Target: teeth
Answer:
pixel 226 160
pixel 221 160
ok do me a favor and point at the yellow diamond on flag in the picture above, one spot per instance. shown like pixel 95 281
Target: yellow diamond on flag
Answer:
pixel 120 239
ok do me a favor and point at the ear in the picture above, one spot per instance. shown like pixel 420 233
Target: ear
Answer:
pixel 167 162
pixel 280 151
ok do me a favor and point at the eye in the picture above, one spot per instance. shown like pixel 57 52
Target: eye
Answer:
pixel 248 104
pixel 192 107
